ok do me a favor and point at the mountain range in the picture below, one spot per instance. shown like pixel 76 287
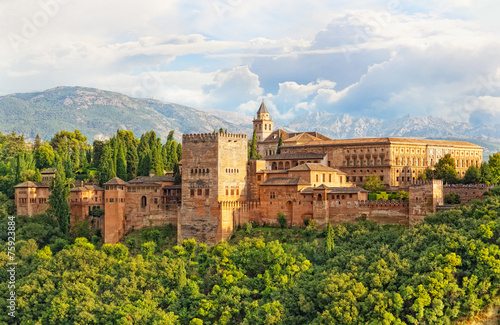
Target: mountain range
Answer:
pixel 99 113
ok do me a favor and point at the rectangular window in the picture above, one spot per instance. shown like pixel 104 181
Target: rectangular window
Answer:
pixel 259 178
pixel 227 191
pixel 237 191
pixel 200 192
pixel 232 191
pixel 192 192
pixel 272 195
pixel 111 200
pixel 207 192
pixel 350 196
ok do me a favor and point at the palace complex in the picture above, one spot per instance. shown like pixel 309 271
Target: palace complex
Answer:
pixel 313 177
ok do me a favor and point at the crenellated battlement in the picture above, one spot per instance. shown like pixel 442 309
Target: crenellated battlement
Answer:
pixel 419 182
pixel 197 137
pixel 383 203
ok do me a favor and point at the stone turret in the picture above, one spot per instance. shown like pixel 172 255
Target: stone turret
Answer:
pixel 263 124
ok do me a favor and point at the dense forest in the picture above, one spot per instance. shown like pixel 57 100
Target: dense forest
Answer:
pixel 444 269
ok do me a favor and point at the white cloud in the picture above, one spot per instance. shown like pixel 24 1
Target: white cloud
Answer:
pixel 417 57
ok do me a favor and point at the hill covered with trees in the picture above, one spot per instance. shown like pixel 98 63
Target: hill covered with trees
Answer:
pixel 442 270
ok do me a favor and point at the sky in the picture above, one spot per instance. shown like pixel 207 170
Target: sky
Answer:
pixel 373 58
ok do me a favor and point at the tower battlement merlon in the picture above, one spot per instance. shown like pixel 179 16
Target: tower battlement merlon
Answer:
pixel 195 137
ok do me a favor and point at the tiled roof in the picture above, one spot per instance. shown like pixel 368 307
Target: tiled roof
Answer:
pixel 302 137
pixel 136 184
pixel 262 109
pixel 116 181
pixel 85 188
pixel 308 155
pixel 389 140
pixel 149 179
pixel 172 186
pixel 337 190
pixel 315 167
pixel 31 184
pixel 286 181
pixel 275 136
pixel 48 171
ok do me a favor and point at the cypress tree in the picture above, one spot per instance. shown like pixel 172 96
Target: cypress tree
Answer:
pixel 280 143
pixel 58 199
pixel 179 152
pixel 329 242
pixel 132 160
pixel 38 142
pixel 157 161
pixel 38 176
pixel 253 146
pixel 173 153
pixel 177 175
pixel 121 163
pixel 106 168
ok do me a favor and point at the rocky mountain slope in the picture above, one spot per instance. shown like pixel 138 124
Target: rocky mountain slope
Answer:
pixel 98 114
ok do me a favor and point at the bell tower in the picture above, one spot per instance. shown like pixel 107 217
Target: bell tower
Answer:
pixel 263 124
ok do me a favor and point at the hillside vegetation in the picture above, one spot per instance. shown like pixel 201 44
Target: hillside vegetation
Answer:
pixel 99 113
pixel 444 269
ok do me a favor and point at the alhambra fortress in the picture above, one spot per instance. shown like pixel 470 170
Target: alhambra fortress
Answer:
pixel 313 177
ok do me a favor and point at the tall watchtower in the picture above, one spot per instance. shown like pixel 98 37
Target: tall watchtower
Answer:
pixel 214 170
pixel 263 124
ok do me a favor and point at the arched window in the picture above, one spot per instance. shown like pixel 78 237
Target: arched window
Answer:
pixel 320 197
pixel 144 202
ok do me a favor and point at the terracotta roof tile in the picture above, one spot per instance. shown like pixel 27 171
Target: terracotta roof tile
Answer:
pixel 287 181
pixel 309 155
pixel 315 167
pixel 116 181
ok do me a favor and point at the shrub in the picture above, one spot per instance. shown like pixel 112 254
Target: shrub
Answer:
pixel 452 198
pixel 282 219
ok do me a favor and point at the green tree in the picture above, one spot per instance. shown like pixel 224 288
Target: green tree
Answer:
pixel 121 163
pixel 494 164
pixel 58 199
pixel 177 175
pixel 44 156
pixel 472 175
pixel 445 169
pixel 452 198
pixel 98 149
pixel 179 151
pixel 252 153
pixel 486 175
pixel 329 242
pixel 280 144
pixel 373 184
pixel 282 219
pixel 106 168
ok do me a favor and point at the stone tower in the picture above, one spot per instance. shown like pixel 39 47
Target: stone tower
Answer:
pixel 114 210
pixel 214 170
pixel 263 123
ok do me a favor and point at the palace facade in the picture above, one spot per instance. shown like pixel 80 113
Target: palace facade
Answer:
pixel 313 177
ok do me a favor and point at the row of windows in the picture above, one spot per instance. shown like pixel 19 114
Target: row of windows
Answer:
pixel 367 150
pixel 111 200
pixel 233 191
pixel 363 162
pixel 200 171
pixel 329 178
pixel 32 200
pixel 232 170
pixel 199 192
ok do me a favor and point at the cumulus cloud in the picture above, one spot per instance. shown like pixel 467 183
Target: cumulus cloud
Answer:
pixel 387 59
